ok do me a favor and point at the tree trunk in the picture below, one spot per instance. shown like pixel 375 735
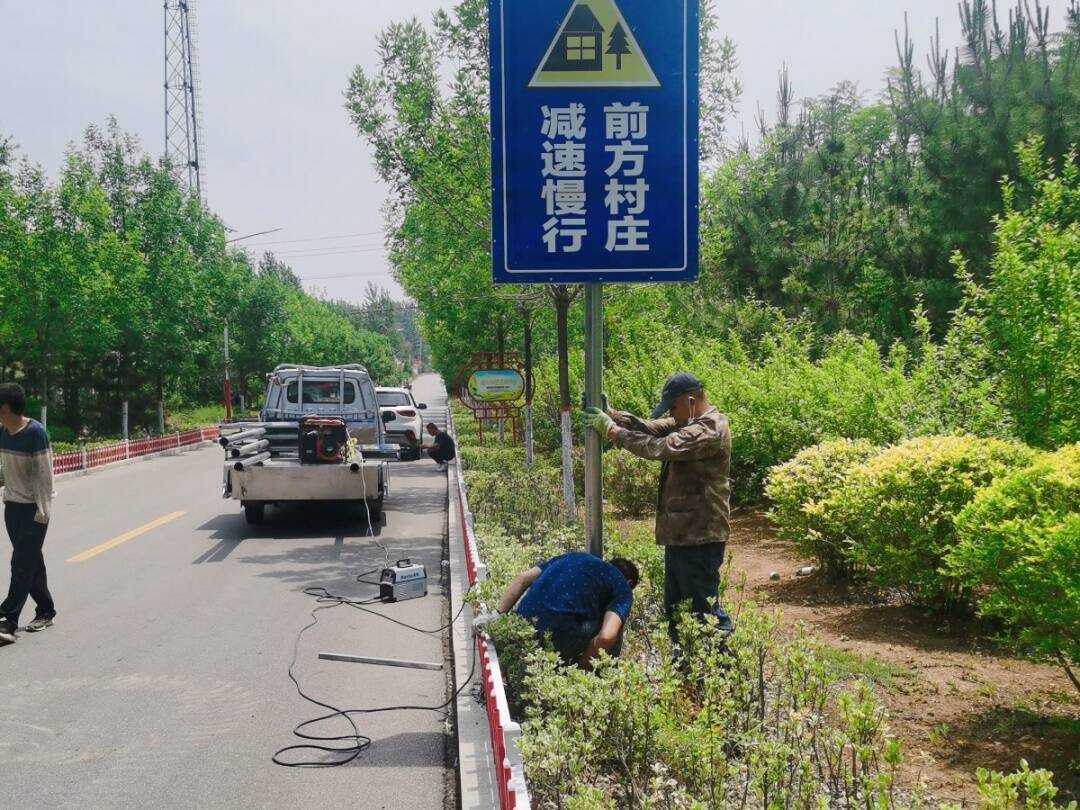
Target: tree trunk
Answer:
pixel 73 397
pixel 527 318
pixel 561 295
pixel 45 392
pixel 122 368
pixel 501 346
pixel 160 407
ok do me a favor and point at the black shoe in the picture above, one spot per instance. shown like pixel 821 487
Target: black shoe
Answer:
pixel 39 624
pixel 7 633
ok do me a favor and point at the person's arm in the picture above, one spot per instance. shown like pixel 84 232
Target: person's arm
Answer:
pixel 43 485
pixel 604 640
pixel 517 589
pixel 514 591
pixel 695 441
pixel 653 427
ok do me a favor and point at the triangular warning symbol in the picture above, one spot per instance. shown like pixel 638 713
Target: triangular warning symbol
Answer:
pixel 594 47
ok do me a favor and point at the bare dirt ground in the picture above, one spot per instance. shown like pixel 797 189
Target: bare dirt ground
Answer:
pixel 957 701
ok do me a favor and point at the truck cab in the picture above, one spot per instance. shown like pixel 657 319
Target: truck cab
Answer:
pixel 268 462
pixel 295 392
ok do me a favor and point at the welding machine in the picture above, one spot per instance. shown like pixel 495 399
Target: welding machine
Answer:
pixel 404 580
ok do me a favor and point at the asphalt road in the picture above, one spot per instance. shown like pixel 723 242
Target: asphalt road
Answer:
pixel 163 682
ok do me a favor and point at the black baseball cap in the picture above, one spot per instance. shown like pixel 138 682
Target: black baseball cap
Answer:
pixel 675 387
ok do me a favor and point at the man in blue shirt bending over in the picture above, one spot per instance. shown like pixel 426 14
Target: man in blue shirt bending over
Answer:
pixel 581 601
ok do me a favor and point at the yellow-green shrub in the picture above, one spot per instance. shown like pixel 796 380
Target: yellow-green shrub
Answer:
pixel 797 489
pixel 897 510
pixel 1019 544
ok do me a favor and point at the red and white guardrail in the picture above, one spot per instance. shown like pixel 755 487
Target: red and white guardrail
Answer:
pixel 77 460
pixel 509 768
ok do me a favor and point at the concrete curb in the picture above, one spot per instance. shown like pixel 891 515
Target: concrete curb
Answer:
pixel 475 758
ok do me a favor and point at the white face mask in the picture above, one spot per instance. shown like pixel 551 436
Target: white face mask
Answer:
pixel 693 409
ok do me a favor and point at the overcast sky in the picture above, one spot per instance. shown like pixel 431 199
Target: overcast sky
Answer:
pixel 280 151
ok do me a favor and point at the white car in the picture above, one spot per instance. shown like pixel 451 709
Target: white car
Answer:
pixel 404 422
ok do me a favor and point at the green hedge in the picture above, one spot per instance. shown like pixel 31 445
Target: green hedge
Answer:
pixel 897 510
pixel 1019 545
pixel 789 390
pixel 797 489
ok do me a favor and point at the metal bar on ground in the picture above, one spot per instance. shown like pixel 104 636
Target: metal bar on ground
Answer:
pixel 594 386
pixel 379 662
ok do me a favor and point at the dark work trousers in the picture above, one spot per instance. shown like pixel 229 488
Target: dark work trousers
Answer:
pixel 572 640
pixel 693 572
pixel 27 564
pixel 437 455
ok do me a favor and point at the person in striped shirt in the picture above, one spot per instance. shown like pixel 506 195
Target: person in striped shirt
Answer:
pixel 28 489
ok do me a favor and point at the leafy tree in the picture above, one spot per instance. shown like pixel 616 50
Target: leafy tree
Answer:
pixel 1031 304
pixel 44 280
pixel 850 212
pixel 115 286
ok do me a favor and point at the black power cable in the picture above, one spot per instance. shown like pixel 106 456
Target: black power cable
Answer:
pixel 358 742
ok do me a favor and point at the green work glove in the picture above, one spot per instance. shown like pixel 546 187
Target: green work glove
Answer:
pixel 599 421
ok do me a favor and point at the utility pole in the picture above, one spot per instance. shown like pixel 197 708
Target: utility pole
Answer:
pixel 594 449
pixel 228 381
pixel 183 100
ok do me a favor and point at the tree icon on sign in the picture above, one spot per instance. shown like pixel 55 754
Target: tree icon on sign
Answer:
pixel 618 45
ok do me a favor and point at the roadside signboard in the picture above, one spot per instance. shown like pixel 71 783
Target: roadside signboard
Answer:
pixel 497 385
pixel 594 140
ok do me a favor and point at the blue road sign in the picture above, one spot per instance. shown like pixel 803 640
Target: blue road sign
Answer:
pixel 595 140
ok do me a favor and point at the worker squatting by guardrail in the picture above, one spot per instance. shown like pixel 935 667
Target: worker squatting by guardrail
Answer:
pixel 509 768
pixel 78 460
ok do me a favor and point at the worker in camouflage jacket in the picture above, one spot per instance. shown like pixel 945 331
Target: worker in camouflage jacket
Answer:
pixel 692 440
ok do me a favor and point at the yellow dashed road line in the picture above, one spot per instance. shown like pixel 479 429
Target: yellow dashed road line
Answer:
pixel 116 541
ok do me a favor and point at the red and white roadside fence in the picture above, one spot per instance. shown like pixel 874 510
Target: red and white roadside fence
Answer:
pixel 505 732
pixel 81 460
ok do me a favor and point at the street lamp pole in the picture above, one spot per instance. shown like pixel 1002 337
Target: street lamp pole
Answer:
pixel 228 381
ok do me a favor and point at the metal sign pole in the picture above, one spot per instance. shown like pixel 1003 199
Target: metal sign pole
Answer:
pixel 594 386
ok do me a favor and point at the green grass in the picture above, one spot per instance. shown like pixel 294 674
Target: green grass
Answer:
pixel 847 665
pixel 192 418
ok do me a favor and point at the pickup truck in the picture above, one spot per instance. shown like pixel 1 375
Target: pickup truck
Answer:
pixel 320 438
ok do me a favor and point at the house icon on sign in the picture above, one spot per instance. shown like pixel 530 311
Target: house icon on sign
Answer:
pixel 580 43
pixel 593 47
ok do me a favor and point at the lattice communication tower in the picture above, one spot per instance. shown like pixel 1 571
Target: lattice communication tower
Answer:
pixel 183 100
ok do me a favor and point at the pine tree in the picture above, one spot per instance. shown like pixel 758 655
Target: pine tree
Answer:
pixel 618 45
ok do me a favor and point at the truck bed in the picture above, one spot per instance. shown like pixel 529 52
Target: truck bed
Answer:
pixel 286 479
